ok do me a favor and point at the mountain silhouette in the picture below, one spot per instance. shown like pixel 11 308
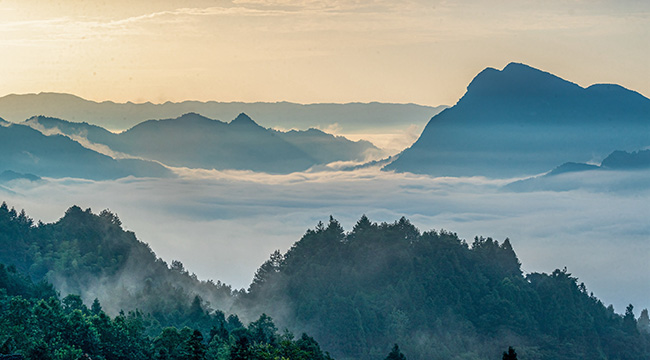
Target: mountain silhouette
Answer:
pixel 195 141
pixel 522 121
pixel 623 160
pixel 326 148
pixel 25 150
pixel 620 161
pixel 9 175
pixel 351 117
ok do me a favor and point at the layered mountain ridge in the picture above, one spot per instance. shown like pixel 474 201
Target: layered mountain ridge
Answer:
pixel 195 141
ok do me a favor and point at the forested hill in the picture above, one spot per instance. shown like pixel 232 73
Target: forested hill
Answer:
pixel 91 255
pixel 437 297
pixel 357 293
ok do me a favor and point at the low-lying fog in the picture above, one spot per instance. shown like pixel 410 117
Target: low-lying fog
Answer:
pixel 223 224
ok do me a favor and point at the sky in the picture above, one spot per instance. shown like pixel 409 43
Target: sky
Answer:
pixel 307 51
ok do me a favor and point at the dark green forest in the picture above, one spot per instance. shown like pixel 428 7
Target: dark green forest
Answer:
pixel 38 325
pixel 82 286
pixel 437 296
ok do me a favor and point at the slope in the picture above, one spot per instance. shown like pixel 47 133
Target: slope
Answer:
pixel 523 121
pixel 25 150
pixel 435 296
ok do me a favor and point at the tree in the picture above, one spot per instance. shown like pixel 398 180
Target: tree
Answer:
pixel 96 307
pixel 644 322
pixel 510 355
pixel 263 331
pixel 629 322
pixel 395 354
pixel 195 349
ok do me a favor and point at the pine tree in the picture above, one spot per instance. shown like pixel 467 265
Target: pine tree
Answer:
pixel 644 322
pixel 510 355
pixel 395 354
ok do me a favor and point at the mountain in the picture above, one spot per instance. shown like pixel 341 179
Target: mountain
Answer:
pixel 326 148
pixel 436 296
pixel 195 141
pixel 9 175
pixel 198 142
pixel 353 117
pixel 38 323
pixel 623 160
pixel 92 256
pixel 522 121
pixel 628 168
pixel 25 150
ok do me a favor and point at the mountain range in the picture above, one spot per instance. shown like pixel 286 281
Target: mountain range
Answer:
pixel 523 121
pixel 196 141
pixel 25 150
pixel 352 117
pixel 515 122
pixel 568 175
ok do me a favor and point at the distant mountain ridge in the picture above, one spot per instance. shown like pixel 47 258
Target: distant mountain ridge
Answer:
pixel 25 150
pixel 634 162
pixel 523 121
pixel 195 141
pixel 350 117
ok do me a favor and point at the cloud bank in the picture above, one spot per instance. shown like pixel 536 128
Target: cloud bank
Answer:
pixel 223 224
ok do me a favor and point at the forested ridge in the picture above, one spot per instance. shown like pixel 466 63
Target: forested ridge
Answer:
pixel 356 293
pixel 437 296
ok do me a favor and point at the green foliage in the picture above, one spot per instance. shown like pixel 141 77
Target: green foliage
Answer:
pixel 357 292
pixel 395 354
pixel 511 354
pixel 434 294
pixel 82 250
pixel 49 328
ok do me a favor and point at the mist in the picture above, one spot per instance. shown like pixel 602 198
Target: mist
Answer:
pixel 224 224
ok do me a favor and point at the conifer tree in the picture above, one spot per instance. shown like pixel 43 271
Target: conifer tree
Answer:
pixel 395 354
pixel 510 355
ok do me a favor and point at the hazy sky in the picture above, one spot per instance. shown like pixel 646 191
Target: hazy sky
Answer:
pixel 312 51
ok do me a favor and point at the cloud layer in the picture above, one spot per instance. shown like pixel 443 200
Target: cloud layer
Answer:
pixel 224 224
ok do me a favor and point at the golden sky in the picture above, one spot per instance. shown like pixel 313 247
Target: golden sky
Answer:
pixel 309 51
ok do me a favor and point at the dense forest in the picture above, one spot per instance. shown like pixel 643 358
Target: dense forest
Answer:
pixel 36 324
pixel 437 297
pixel 357 293
pixel 93 256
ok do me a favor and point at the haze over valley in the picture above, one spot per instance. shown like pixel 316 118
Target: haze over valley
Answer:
pixel 208 193
pixel 319 180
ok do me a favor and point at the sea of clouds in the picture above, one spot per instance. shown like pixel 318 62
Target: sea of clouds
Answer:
pixel 223 224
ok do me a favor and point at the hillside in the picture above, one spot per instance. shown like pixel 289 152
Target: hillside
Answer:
pixel 91 255
pixel 36 324
pixel 357 293
pixel 436 296
pixel 521 121
pixel 25 150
